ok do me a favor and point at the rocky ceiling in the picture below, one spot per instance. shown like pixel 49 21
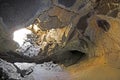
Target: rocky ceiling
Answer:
pixel 83 35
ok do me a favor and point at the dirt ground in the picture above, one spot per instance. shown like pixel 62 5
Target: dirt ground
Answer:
pixel 94 69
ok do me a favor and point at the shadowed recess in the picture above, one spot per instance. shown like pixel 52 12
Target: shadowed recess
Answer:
pixel 69 58
pixel 103 24
pixel 82 23
pixel 67 3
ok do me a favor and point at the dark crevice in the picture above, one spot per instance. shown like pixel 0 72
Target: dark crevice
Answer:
pixel 67 3
pixel 82 23
pixel 103 24
pixel 78 53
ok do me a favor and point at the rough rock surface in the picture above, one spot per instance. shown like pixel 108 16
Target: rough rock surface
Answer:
pixel 31 71
pixel 6 42
pixel 17 14
pixel 80 34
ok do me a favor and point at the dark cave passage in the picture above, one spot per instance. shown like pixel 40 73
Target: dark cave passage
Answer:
pixel 69 58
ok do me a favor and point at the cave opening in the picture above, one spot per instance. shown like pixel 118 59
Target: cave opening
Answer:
pixel 26 40
pixel 20 35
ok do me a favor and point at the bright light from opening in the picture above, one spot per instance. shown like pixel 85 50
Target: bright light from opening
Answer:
pixel 36 28
pixel 20 35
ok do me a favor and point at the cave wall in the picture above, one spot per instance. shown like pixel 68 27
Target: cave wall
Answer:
pixel 6 42
pixel 18 14
pixel 64 26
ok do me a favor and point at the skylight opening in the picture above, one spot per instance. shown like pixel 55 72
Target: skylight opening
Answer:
pixel 19 36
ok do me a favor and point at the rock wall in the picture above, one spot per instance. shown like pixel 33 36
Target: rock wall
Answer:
pixel 73 25
pixel 63 28
pixel 6 42
pixel 82 35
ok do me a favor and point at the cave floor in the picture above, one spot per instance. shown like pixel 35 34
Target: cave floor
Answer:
pixel 94 70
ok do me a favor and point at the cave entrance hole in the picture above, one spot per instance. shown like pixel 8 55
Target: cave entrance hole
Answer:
pixel 20 35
